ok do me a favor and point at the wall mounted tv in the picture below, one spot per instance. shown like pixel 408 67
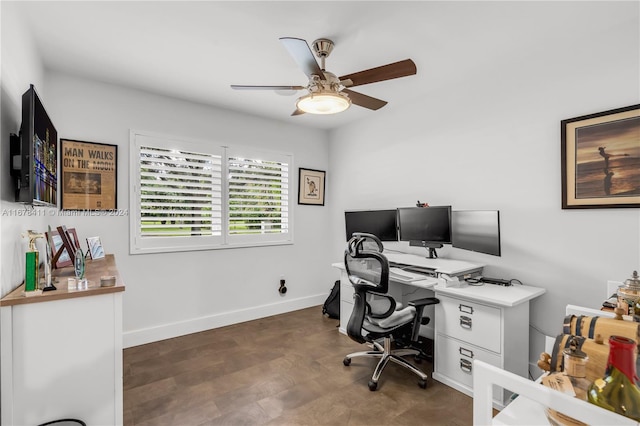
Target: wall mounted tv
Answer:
pixel 476 230
pixel 381 223
pixel 429 227
pixel 34 154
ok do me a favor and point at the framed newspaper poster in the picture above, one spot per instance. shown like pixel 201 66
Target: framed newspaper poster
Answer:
pixel 88 175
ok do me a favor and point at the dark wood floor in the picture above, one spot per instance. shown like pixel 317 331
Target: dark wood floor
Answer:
pixel 282 370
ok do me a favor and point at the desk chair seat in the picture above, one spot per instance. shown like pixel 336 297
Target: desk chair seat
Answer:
pixel 393 333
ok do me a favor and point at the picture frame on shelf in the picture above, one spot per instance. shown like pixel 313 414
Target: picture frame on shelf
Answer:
pixel 95 249
pixel 88 175
pixel 601 159
pixel 59 254
pixel 311 184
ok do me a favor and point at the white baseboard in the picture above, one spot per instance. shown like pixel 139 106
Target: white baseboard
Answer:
pixel 195 325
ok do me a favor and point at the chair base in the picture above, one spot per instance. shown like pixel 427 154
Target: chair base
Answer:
pixel 386 354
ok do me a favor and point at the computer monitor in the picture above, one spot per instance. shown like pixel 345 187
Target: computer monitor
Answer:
pixel 429 227
pixel 381 223
pixel 476 230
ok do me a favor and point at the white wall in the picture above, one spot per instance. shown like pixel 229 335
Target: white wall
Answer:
pixel 176 293
pixel 493 142
pixel 21 66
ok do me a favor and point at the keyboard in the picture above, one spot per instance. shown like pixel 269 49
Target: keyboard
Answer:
pixel 398 274
pixel 420 270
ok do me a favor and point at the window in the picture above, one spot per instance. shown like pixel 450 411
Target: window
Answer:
pixel 193 196
pixel 258 197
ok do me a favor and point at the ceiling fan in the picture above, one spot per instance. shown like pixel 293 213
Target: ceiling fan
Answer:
pixel 327 93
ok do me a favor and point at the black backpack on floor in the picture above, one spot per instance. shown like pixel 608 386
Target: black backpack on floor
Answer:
pixel 331 306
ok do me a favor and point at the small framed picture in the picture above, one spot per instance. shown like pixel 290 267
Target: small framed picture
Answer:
pixel 311 187
pixel 95 248
pixel 57 245
pixel 601 159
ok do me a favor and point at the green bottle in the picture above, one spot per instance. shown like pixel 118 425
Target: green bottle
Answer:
pixel 32 262
pixel 31 270
pixel 617 390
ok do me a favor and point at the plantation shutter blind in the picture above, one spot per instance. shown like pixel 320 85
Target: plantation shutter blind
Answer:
pixel 195 195
pixel 258 196
pixel 179 194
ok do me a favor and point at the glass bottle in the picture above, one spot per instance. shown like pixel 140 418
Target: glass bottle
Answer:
pixel 629 296
pixel 571 381
pixel 575 367
pixel 617 390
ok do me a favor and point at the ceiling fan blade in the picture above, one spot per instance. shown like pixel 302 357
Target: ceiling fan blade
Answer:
pixel 297 112
pixel 364 100
pixel 385 72
pixel 241 87
pixel 301 53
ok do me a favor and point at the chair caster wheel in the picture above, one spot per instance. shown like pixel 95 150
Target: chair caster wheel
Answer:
pixel 422 384
pixel 346 361
pixel 372 385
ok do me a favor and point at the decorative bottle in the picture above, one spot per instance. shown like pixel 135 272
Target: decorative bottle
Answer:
pixel 572 381
pixel 617 390
pixel 575 367
pixel 629 296
pixel 32 262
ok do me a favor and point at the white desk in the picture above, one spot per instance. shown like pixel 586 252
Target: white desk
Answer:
pixel 439 265
pixel 488 322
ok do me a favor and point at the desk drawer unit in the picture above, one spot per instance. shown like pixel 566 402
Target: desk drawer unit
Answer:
pixel 455 359
pixel 471 322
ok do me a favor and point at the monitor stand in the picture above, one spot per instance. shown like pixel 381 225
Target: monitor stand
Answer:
pixel 431 248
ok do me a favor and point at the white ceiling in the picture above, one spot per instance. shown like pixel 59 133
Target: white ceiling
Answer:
pixel 195 50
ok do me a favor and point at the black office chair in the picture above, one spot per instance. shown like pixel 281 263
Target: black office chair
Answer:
pixel 375 316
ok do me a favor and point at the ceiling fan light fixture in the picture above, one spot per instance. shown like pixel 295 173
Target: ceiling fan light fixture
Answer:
pixel 323 102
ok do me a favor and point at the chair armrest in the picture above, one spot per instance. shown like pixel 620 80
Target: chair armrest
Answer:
pixel 420 303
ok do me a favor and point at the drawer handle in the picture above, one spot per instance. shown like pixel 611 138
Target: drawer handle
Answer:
pixel 465 365
pixel 465 309
pixel 465 322
pixel 466 352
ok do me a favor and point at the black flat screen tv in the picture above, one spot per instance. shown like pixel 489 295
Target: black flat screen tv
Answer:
pixel 381 223
pixel 428 227
pixel 476 230
pixel 35 158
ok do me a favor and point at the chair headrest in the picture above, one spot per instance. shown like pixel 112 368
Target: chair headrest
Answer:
pixel 362 241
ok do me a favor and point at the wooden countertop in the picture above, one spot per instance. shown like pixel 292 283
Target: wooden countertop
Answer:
pixel 93 271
